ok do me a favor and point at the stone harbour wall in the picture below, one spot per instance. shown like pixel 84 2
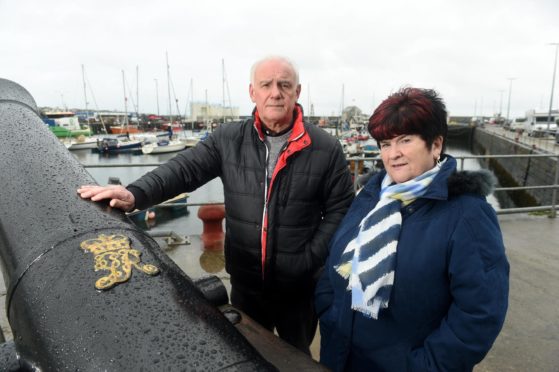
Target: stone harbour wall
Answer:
pixel 516 171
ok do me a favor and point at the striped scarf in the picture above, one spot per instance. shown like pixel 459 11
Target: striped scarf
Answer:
pixel 369 260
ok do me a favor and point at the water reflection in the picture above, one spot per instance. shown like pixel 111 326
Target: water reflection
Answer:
pixel 126 175
pixel 212 261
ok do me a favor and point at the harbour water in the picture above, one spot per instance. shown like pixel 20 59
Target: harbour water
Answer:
pixel 181 223
pixel 209 193
pixel 471 165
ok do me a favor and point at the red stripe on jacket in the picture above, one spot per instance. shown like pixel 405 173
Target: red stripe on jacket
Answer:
pixel 297 141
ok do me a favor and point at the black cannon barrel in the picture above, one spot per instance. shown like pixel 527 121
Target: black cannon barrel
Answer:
pixel 137 312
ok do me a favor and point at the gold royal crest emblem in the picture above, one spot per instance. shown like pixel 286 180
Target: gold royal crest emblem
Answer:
pixel 114 253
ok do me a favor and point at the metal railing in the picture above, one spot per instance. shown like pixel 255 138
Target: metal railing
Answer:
pixel 460 159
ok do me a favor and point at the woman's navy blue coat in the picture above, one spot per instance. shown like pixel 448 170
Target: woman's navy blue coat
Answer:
pixel 450 293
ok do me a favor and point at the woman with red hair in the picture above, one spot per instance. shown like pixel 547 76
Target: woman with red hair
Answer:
pixel 417 277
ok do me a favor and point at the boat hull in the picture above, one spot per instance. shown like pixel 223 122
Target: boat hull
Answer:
pixel 61 132
pixel 173 146
pixel 84 145
pixel 111 145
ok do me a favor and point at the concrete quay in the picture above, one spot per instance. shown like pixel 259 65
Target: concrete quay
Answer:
pixel 529 340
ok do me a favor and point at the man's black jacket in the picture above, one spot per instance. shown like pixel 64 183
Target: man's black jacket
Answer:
pixel 307 199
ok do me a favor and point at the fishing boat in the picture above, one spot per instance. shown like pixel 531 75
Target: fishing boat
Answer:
pixel 64 124
pixel 163 146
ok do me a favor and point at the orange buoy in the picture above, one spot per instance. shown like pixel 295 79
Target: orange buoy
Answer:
pixel 212 217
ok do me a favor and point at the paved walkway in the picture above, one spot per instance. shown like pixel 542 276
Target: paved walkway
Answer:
pixel 545 144
pixel 530 338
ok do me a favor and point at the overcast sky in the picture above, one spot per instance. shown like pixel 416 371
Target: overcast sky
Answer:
pixel 464 49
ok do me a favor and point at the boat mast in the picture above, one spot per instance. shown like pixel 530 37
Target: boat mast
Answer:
pixel 62 101
pixel 187 102
pixel 99 115
pixel 137 94
pixel 223 90
pixel 169 87
pixel 341 114
pixel 191 101
pixel 310 113
pixel 85 95
pixel 157 95
pixel 206 114
pixel 226 90
pixel 125 101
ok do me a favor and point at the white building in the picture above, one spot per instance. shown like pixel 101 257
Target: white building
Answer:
pixel 202 112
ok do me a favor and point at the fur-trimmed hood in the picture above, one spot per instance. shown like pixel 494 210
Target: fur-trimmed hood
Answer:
pixel 480 182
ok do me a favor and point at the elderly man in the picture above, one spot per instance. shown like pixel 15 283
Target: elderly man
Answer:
pixel 286 187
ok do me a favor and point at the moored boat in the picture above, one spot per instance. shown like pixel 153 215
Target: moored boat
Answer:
pixel 62 132
pixel 115 145
pixel 81 143
pixel 64 124
pixel 190 141
pixel 163 146
pixel 193 139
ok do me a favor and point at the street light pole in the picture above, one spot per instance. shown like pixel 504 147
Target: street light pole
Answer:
pixel 552 86
pixel 510 91
pixel 501 103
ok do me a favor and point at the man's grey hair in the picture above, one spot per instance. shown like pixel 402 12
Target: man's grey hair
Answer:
pixel 274 58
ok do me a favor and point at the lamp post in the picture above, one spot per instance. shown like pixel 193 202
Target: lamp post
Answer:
pixel 510 91
pixel 157 95
pixel 501 103
pixel 552 86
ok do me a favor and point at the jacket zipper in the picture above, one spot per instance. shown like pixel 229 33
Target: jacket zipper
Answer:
pixel 263 228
